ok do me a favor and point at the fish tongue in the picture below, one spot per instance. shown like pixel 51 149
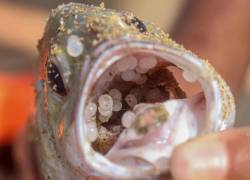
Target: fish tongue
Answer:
pixel 185 117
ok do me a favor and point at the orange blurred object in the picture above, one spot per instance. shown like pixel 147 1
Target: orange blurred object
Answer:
pixel 16 104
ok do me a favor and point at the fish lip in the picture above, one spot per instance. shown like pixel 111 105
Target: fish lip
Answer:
pixel 115 50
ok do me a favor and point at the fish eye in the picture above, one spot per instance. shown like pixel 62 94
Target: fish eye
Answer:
pixel 139 24
pixel 55 80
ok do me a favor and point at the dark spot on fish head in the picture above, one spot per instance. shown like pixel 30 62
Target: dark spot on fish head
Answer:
pixel 139 24
pixel 55 80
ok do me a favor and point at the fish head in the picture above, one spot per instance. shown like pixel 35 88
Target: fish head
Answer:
pixel 110 103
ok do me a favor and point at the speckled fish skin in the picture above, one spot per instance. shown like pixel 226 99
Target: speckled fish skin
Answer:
pixel 99 30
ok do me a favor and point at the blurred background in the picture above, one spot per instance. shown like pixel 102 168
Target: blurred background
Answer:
pixel 217 30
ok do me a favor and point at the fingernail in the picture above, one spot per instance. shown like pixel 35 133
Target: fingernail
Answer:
pixel 205 158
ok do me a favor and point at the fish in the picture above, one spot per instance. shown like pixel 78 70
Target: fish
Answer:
pixel 109 102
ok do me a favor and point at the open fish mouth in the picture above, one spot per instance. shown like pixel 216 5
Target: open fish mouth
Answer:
pixel 133 108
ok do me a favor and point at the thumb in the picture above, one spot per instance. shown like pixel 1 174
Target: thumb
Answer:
pixel 220 156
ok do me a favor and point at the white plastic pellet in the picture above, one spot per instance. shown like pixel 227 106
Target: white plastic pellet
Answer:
pixel 115 94
pixel 132 61
pixel 104 119
pixel 105 112
pixel 136 77
pixel 117 106
pixel 142 80
pixel 74 46
pixel 122 65
pixel 103 132
pixel 141 70
pixel 126 63
pixel 91 109
pixel 131 100
pixel 91 131
pixel 128 118
pixel 105 102
pixel 128 75
pixel 147 62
